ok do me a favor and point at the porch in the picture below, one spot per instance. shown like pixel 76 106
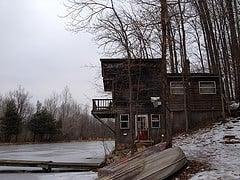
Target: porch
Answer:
pixel 102 108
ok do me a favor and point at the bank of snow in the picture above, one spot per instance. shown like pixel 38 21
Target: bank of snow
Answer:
pixel 207 146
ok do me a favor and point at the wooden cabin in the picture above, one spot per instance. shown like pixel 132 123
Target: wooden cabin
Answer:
pixel 148 123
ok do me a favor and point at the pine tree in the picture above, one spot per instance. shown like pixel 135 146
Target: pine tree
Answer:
pixel 10 124
pixel 43 124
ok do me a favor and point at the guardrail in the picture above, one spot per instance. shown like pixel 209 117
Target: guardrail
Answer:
pixel 102 105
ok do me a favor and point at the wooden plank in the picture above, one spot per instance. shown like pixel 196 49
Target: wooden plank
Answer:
pixel 48 165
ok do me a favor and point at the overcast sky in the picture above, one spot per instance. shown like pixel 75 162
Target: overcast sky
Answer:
pixel 37 52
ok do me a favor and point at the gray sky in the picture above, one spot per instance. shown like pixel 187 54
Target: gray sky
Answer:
pixel 37 52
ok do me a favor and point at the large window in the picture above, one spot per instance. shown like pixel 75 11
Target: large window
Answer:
pixel 155 120
pixel 124 121
pixel 176 87
pixel 207 87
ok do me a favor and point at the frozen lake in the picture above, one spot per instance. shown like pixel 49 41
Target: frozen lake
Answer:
pixel 61 152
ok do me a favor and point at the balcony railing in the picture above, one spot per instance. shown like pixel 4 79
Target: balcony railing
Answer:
pixel 102 106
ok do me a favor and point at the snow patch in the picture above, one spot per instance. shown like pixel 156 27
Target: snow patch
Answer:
pixel 207 145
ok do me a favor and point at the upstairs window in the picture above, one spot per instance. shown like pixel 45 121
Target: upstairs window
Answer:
pixel 207 87
pixel 155 120
pixel 124 121
pixel 176 87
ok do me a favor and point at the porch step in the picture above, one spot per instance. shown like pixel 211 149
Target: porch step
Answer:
pixel 142 144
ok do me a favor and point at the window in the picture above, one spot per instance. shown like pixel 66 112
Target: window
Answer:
pixel 124 121
pixel 155 118
pixel 207 87
pixel 176 87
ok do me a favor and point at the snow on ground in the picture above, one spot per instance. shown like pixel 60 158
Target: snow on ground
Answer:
pixel 207 146
pixel 61 152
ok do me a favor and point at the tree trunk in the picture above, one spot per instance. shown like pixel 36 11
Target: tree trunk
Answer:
pixel 199 45
pixel 164 94
pixel 235 45
pixel 186 68
pixel 174 52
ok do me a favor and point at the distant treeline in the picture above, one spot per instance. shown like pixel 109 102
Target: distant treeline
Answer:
pixel 57 118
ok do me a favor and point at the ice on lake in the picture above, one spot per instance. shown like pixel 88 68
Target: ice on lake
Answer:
pixel 60 152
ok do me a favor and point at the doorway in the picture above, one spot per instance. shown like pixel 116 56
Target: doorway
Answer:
pixel 141 127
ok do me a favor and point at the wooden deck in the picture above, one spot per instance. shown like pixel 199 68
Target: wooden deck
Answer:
pixel 48 165
pixel 103 108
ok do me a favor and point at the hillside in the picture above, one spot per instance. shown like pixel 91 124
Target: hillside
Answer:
pixel 215 150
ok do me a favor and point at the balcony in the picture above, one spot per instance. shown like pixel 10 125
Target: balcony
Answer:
pixel 103 108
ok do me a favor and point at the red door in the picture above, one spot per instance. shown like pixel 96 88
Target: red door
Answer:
pixel 142 127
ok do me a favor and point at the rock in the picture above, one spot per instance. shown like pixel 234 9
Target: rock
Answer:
pixel 229 137
pixel 232 141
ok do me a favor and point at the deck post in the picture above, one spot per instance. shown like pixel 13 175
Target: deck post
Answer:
pixel 47 167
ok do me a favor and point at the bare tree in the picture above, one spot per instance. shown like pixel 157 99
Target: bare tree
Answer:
pixel 234 44
pixel 22 100
pixel 52 104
